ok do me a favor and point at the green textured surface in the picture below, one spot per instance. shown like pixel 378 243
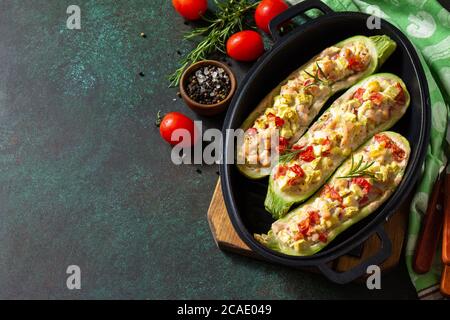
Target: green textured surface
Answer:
pixel 85 178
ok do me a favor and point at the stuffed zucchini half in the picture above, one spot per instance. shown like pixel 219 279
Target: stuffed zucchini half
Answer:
pixel 288 110
pixel 360 185
pixel 373 105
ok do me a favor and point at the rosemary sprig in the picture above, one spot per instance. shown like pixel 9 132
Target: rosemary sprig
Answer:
pixel 228 18
pixel 316 77
pixel 359 169
pixel 290 155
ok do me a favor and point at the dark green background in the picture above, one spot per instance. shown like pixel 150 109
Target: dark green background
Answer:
pixel 85 178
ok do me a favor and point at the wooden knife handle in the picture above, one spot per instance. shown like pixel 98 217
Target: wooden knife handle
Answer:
pixel 445 281
pixel 430 233
pixel 446 231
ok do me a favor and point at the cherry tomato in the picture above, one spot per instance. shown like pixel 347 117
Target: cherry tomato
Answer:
pixel 190 9
pixel 245 46
pixel 176 120
pixel 266 11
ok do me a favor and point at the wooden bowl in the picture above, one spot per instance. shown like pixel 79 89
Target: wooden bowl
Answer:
pixel 207 109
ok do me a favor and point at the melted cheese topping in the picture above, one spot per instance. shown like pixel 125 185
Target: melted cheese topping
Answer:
pixel 291 109
pixel 344 197
pixel 337 133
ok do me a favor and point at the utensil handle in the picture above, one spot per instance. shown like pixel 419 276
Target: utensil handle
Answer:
pixel 446 230
pixel 292 12
pixel 445 281
pixel 430 233
pixel 347 276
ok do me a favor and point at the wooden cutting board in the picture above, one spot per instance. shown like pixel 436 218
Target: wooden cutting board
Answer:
pixel 227 239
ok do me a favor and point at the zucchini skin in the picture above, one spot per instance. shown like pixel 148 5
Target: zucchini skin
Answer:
pixel 277 202
pixel 274 243
pixel 381 47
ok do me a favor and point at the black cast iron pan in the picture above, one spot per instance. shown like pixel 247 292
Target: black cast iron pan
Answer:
pixel 244 198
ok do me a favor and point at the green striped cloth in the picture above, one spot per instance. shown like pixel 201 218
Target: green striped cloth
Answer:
pixel 427 24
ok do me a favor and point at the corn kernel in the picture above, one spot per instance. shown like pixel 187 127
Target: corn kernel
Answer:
pixel 374 86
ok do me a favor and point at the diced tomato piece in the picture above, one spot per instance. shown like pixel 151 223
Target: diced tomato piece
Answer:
pixel 400 98
pixel 359 94
pixel 329 191
pixel 307 155
pixel 303 227
pixel 397 153
pixel 298 236
pixel 363 183
pixel 323 237
pixel 284 141
pixel 314 217
pixel 279 122
pixel 252 131
pixel 293 181
pixel 376 98
pixel 281 171
pixel 383 138
pixel 297 170
pixel 281 149
pixel 296 147
pixel 327 151
pixel 334 194
pixel 355 64
pixel 282 145
pixel 374 193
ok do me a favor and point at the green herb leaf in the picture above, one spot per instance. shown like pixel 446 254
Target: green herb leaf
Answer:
pixel 229 18
pixel 359 169
pixel 316 77
pixel 290 155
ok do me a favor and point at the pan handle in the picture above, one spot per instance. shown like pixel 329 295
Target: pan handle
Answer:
pixel 345 277
pixel 292 12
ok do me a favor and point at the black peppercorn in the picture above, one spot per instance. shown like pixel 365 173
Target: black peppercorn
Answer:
pixel 208 85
